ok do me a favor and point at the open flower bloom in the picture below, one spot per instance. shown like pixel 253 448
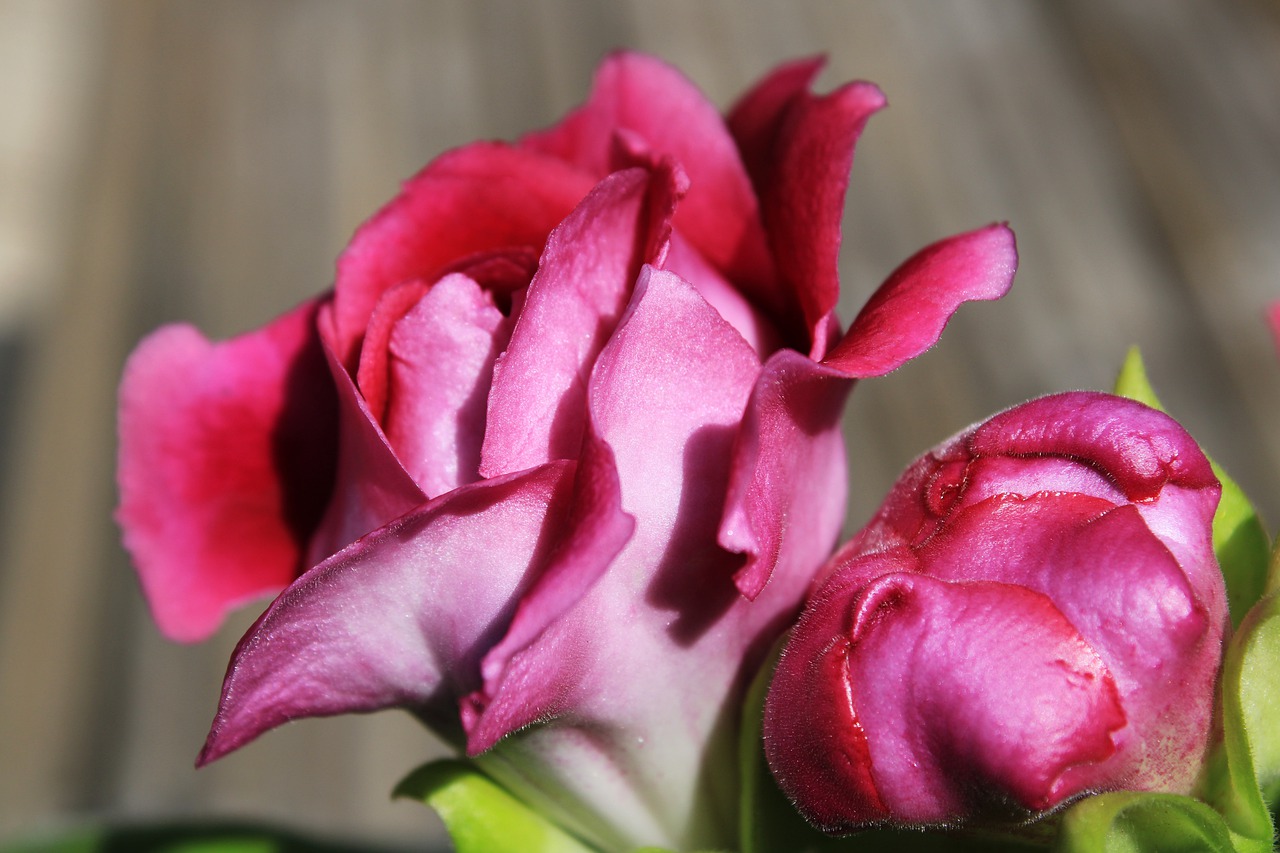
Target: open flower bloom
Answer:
pixel 1035 612
pixel 558 456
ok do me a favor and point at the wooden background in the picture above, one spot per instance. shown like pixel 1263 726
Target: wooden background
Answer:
pixel 207 161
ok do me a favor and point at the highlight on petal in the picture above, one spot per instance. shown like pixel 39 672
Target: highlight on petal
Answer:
pixel 642 95
pixel 484 196
pixel 226 462
pixel 377 625
pixel 906 315
pixel 537 405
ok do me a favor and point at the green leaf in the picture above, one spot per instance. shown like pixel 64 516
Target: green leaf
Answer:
pixel 1138 822
pixel 481 816
pixel 1260 694
pixel 1239 539
pixel 181 838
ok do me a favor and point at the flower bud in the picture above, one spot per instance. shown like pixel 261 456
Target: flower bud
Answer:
pixel 1034 613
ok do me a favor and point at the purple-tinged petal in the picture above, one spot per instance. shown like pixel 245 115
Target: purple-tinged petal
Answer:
pixel 483 197
pixel 226 461
pixel 906 315
pixel 441 355
pixel 377 625
pixel 802 194
pixel 371 487
pixel 666 396
pixel 756 119
pixel 537 406
pixel 787 487
pixel 644 96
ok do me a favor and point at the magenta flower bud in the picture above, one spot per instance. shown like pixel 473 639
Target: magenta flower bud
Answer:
pixel 1034 613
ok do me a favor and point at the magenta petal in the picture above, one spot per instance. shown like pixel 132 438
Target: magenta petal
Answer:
pixel 537 406
pixel 756 119
pixel 226 462
pixel 787 488
pixel 906 315
pixel 974 687
pixel 803 191
pixel 482 197
pixel 440 358
pixel 372 487
pixel 377 625
pixel 644 96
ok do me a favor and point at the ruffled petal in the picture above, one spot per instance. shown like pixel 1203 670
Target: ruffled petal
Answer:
pixel 441 355
pixel 787 488
pixel 378 625
pixel 371 487
pixel 907 314
pixel 537 405
pixel 641 95
pixel 226 461
pixel 801 148
pixel 666 396
pixel 481 197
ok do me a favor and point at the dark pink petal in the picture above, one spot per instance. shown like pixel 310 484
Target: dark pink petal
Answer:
pixel 372 487
pixel 441 355
pixel 378 624
pixel 644 96
pixel 906 315
pixel 756 119
pixel 537 406
pixel 787 486
pixel 1137 447
pixel 226 462
pixel 976 687
pixel 483 197
pixel 666 396
pixel 802 193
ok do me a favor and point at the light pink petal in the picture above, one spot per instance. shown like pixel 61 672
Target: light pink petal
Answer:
pixel 1273 321
pixel 801 150
pixel 379 624
pixel 441 355
pixel 483 197
pixel 787 486
pixel 659 648
pixel 906 315
pixel 537 406
pixel 226 461
pixel 644 96
pixel 975 687
pixel 372 487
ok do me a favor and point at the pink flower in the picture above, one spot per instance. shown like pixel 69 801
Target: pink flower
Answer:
pixel 1034 612
pixel 558 455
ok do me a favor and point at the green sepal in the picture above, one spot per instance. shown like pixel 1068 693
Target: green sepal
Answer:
pixel 1141 822
pixel 1239 539
pixel 480 815
pixel 204 837
pixel 1243 776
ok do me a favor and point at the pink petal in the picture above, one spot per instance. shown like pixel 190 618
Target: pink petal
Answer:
pixel 399 618
pixel 372 487
pixel 962 688
pixel 441 365
pixel 801 147
pixel 226 462
pixel 906 315
pixel 657 649
pixel 787 487
pixel 537 406
pixel 483 197
pixel 646 97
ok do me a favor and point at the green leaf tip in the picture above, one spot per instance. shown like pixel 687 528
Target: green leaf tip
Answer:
pixel 480 815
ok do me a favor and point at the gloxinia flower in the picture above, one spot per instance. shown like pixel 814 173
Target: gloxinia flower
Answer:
pixel 556 459
pixel 1034 612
